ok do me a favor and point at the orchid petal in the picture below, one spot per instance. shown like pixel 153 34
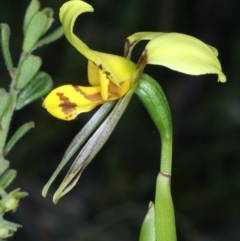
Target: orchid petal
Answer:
pixel 67 101
pixel 183 53
pixel 68 14
pixel 133 39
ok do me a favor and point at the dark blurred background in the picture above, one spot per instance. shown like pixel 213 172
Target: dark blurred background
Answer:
pixel 111 198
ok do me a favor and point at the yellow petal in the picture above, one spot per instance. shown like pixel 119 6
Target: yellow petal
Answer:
pixel 68 14
pixel 68 101
pixel 133 39
pixel 185 54
pixel 122 68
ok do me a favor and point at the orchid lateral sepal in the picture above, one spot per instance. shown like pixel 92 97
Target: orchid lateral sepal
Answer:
pixel 79 139
pixel 179 52
pixel 92 147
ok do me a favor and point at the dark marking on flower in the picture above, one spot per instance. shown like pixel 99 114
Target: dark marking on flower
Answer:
pixel 107 73
pixel 66 105
pixel 127 46
pixel 93 97
pixel 114 89
pixel 100 67
pixel 143 60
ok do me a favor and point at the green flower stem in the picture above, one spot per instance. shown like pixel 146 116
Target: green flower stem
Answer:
pixel 153 98
pixel 164 210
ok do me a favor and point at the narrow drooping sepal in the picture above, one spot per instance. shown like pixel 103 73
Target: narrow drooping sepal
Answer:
pixel 79 139
pixel 92 147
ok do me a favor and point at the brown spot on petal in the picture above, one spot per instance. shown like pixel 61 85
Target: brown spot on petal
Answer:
pixel 66 105
pixel 93 97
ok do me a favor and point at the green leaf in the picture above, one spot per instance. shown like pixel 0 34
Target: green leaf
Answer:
pixel 34 31
pixel 5 35
pixel 79 139
pixel 7 178
pixel 4 98
pixel 49 13
pixel 50 38
pixel 21 131
pixel 148 232
pixel 32 9
pixel 26 70
pixel 4 165
pixel 6 120
pixel 39 86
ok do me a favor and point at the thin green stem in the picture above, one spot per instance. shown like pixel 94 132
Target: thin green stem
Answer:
pixel 166 156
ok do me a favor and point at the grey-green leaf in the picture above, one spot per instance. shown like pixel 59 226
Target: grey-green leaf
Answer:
pixel 21 131
pixel 4 98
pixel 50 37
pixel 7 178
pixel 49 13
pixel 5 35
pixel 26 70
pixel 35 29
pixel 4 165
pixel 38 87
pixel 32 9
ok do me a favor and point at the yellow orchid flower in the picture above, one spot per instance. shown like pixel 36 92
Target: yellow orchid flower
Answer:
pixel 111 76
